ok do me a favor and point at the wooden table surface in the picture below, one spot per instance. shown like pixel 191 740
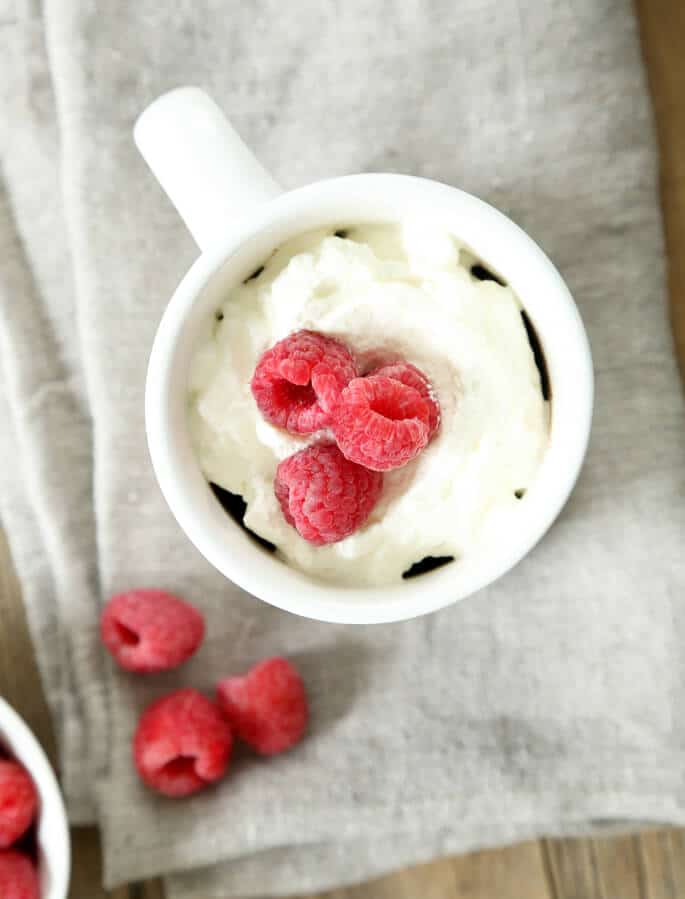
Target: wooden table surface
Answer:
pixel 646 866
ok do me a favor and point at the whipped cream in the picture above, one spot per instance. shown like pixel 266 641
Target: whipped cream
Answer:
pixel 389 291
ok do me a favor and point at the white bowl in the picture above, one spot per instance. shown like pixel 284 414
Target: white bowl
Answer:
pixel 239 216
pixel 52 828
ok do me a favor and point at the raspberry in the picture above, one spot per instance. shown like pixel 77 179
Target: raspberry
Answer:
pixel 18 877
pixel 413 377
pixel 380 422
pixel 324 495
pixel 18 802
pixel 298 381
pixel 182 743
pixel 150 630
pixel 267 707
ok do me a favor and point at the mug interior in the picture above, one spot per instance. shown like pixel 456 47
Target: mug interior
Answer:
pixel 495 242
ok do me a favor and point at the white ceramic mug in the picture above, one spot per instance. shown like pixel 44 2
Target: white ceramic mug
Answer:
pixel 238 215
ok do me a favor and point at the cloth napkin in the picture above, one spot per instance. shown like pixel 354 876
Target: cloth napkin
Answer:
pixel 550 702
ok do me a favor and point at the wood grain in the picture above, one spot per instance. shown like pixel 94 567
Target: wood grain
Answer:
pixel 619 867
pixel 662 25
pixel 573 870
pixel 647 866
pixel 500 873
pixel 433 881
pixel 86 877
pixel 659 867
pixel 19 679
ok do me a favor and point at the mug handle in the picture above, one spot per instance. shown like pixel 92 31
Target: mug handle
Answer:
pixel 201 163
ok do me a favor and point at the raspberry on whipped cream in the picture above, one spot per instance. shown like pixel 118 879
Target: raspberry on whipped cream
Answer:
pixel 297 382
pixel 18 802
pixel 410 375
pixel 18 876
pixel 325 496
pixel 381 423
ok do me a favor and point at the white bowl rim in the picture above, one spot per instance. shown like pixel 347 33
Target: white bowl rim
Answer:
pixel 273 581
pixel 53 829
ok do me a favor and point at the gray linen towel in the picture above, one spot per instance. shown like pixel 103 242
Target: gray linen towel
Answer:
pixel 546 703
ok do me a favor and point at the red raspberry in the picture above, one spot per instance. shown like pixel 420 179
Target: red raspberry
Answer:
pixel 18 802
pixel 182 743
pixel 18 877
pixel 380 422
pixel 324 495
pixel 150 630
pixel 267 707
pixel 413 377
pixel 298 381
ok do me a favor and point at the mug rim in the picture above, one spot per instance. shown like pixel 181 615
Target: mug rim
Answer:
pixel 274 581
